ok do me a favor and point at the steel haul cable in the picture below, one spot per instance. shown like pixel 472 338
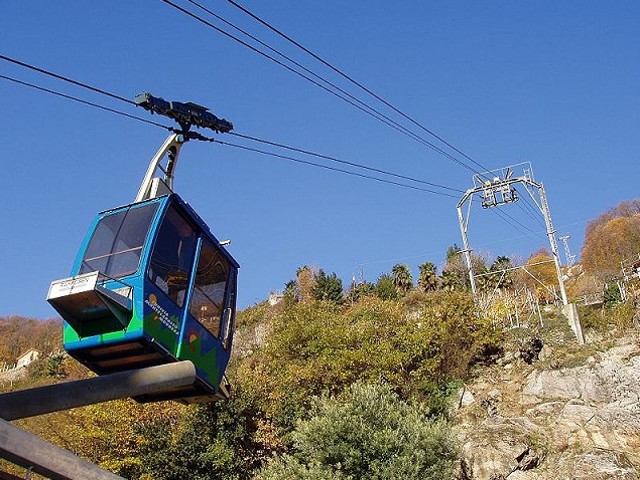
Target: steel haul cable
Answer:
pixel 383 118
pixel 263 152
pixel 125 100
pixel 352 80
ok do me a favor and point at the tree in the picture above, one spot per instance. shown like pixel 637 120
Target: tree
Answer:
pixel 301 288
pixel 360 290
pixel 368 432
pixel 291 293
pixel 428 279
pixel 328 287
pixel 504 264
pixel 207 441
pixel 611 295
pixel 314 348
pixel 451 280
pixel 452 252
pixel 612 238
pixel 305 280
pixel 385 289
pixel 19 334
pixel 401 277
pixel 500 275
pixel 455 274
pixel 541 266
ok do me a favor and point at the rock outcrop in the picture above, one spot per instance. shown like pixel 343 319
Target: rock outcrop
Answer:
pixel 523 421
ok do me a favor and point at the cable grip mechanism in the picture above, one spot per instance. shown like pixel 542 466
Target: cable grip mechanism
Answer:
pixel 158 179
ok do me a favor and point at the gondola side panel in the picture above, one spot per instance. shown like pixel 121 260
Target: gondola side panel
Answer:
pixel 204 350
pixel 162 319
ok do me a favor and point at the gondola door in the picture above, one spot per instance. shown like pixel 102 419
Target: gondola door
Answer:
pixel 207 330
pixel 168 278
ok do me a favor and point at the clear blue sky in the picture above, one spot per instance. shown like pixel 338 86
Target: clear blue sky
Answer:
pixel 553 83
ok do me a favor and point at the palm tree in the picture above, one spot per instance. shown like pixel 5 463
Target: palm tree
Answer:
pixel 428 279
pixel 401 276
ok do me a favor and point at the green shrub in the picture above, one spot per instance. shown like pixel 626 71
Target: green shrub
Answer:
pixel 611 295
pixel 592 317
pixel 622 315
pixel 385 288
pixel 314 348
pixel 366 433
pixel 208 441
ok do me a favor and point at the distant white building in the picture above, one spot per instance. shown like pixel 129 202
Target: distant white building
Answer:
pixel 27 358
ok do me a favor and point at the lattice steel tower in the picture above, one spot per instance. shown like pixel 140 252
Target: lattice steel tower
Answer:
pixel 496 188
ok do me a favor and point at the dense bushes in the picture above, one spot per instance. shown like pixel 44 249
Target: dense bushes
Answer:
pixel 368 432
pixel 371 362
pixel 208 441
pixel 316 348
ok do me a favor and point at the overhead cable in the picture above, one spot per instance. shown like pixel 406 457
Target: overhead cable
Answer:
pixel 353 81
pixel 66 79
pixel 534 212
pixel 305 162
pixel 84 102
pixel 372 111
pixel 263 152
pixel 369 110
pixel 337 160
pixel 515 223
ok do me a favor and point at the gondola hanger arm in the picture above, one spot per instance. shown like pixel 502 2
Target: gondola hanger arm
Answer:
pixel 158 179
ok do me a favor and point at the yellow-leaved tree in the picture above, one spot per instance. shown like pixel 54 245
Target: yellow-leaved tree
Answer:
pixel 540 275
pixel 612 238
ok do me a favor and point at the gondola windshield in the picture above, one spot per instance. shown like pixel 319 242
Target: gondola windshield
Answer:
pixel 116 245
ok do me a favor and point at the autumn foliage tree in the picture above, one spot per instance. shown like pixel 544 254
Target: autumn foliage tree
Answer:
pixel 306 280
pixel 540 274
pixel 612 238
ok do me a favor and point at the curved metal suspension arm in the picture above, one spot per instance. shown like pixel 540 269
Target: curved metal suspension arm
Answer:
pixel 170 148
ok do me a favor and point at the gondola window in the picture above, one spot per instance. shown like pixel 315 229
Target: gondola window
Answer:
pixel 116 244
pixel 208 297
pixel 172 256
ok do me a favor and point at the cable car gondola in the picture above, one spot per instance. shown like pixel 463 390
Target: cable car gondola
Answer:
pixel 151 284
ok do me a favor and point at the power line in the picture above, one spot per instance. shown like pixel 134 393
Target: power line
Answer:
pixel 337 160
pixel 353 81
pixel 263 152
pixel 379 116
pixel 305 162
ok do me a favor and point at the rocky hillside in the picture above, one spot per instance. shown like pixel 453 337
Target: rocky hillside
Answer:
pixel 554 410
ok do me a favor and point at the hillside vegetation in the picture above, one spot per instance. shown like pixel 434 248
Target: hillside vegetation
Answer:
pixel 328 384
pixel 379 365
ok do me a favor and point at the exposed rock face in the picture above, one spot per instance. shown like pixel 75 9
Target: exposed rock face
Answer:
pixel 571 423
